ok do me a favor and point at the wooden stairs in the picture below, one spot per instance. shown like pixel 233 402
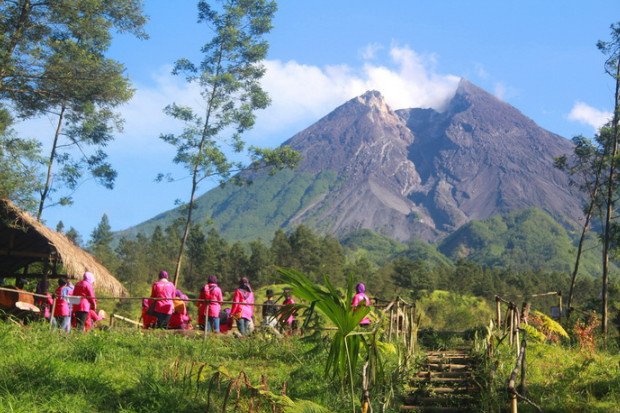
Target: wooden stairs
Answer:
pixel 445 383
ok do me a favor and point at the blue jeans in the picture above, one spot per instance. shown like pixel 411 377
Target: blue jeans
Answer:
pixel 243 324
pixel 213 324
pixel 62 322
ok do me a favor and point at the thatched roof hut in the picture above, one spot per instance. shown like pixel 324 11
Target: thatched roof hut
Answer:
pixel 27 243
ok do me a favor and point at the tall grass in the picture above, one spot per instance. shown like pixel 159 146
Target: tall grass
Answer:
pixel 130 371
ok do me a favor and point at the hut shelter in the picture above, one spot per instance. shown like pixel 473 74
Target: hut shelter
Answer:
pixel 26 244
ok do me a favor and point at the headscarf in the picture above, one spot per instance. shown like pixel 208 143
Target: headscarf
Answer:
pixel 89 277
pixel 360 288
pixel 244 287
pixel 163 274
pixel 179 294
pixel 212 279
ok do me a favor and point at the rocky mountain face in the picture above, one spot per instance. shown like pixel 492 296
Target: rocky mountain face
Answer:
pixel 409 173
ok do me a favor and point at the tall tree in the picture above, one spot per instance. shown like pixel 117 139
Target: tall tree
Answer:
pixel 100 243
pixel 228 76
pixel 52 63
pixel 612 66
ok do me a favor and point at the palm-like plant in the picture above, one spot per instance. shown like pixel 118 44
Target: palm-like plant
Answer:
pixel 344 352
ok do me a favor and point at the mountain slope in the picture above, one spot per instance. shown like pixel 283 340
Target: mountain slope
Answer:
pixel 406 174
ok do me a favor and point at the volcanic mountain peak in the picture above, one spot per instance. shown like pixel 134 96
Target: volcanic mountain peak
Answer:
pixel 410 173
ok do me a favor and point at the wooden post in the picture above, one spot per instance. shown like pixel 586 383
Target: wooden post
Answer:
pixel 52 314
pixel 522 387
pixel 391 321
pixel 560 306
pixel 498 312
pixel 512 325
pixel 111 321
pixel 397 318
pixel 517 326
pixel 513 403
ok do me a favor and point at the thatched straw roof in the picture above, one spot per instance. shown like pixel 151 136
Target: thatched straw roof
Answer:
pixel 24 241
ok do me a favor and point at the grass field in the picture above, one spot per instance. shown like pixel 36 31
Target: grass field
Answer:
pixel 130 371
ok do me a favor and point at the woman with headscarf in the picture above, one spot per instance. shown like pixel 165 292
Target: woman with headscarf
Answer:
pixel 162 294
pixel 361 299
pixel 243 306
pixel 180 320
pixel 212 304
pixel 86 290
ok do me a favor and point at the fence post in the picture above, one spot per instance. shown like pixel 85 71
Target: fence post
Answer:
pixel 52 319
pixel 498 312
pixel 560 306
pixel 512 325
pixel 522 387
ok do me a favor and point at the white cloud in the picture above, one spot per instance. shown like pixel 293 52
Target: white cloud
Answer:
pixel 301 93
pixel 586 114
pixel 370 51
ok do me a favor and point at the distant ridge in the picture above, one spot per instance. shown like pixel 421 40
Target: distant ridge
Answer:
pixel 406 174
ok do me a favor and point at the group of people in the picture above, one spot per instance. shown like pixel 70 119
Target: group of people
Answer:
pixel 75 306
pixel 166 307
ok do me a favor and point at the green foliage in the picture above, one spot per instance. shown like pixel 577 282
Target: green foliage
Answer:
pixel 445 310
pixel 159 372
pixel 52 63
pixel 560 379
pixel 551 329
pixel 19 163
pixel 523 240
pixel 100 244
pixel 376 247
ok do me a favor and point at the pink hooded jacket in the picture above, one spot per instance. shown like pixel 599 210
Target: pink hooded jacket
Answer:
pixel 212 293
pixel 86 290
pixel 63 308
pixel 358 299
pixel 245 310
pixel 166 290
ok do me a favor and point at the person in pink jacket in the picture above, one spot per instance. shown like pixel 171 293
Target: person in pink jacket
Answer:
pixel 243 308
pixel 162 293
pixel 86 290
pixel 361 299
pixel 62 311
pixel 290 324
pixel 210 308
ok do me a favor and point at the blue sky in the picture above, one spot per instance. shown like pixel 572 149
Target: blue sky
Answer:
pixel 539 56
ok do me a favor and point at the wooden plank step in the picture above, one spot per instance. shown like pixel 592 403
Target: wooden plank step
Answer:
pixel 434 374
pixel 450 360
pixel 447 399
pixel 453 381
pixel 451 389
pixel 448 366
pixel 435 409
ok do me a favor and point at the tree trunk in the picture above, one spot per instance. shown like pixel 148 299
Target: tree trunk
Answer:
pixel 15 38
pixel 581 241
pixel 50 165
pixel 610 209
pixel 188 223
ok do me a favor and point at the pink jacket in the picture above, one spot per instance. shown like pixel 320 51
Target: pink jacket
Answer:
pixel 63 308
pixel 85 289
pixel 163 289
pixel 213 293
pixel 357 300
pixel 245 310
pixel 291 318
